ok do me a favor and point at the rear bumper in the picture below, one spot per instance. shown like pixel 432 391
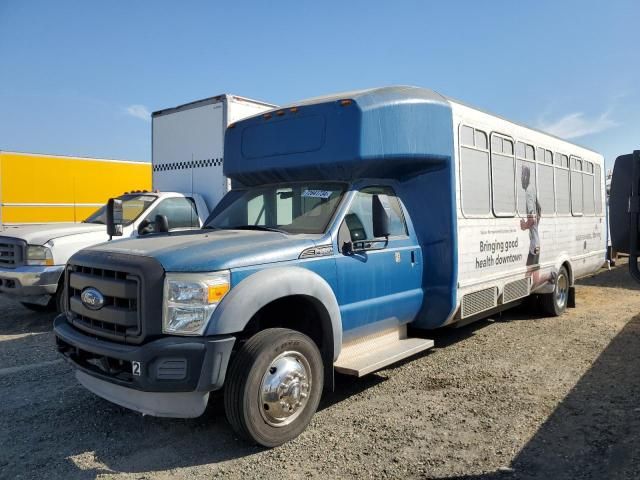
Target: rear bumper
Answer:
pixel 30 281
pixel 171 376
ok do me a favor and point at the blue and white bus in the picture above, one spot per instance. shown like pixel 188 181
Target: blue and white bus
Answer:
pixel 352 217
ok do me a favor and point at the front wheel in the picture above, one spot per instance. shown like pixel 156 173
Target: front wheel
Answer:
pixel 273 386
pixel 555 303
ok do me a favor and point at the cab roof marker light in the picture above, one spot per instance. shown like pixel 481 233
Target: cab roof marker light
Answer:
pixel 294 109
pixel 267 116
pixel 346 101
pixel 280 113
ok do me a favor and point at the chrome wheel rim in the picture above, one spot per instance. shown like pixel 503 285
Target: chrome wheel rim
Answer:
pixel 284 391
pixel 562 290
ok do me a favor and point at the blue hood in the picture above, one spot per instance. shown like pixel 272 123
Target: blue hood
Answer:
pixel 210 250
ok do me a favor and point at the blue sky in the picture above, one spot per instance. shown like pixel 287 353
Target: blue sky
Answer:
pixel 79 77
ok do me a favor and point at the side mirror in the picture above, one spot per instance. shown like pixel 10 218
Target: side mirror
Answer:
pixel 114 217
pixel 380 218
pixel 161 224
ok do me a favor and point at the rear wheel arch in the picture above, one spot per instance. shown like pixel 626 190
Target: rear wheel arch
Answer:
pixel 567 265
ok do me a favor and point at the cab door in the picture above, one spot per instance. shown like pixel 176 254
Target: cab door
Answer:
pixel 379 283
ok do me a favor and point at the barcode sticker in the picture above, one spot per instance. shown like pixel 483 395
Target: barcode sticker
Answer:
pixel 317 193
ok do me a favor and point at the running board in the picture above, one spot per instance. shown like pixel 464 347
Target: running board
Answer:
pixel 373 352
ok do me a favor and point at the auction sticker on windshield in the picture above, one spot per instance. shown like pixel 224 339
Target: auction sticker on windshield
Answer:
pixel 317 194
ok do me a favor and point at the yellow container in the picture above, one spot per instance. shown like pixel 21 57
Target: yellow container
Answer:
pixel 38 188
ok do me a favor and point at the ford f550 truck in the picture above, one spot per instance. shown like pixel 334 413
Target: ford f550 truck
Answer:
pixel 359 215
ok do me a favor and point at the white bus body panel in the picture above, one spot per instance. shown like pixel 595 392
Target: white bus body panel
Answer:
pixel 188 144
pixel 578 240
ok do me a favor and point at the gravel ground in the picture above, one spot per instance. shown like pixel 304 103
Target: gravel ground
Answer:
pixel 519 396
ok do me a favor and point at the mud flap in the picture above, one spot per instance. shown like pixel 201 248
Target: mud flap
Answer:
pixel 571 301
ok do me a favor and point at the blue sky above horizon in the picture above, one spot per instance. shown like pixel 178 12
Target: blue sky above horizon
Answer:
pixel 80 78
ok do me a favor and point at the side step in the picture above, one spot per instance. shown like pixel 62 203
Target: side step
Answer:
pixel 373 352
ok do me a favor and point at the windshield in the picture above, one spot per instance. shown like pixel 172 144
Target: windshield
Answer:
pixel 132 208
pixel 291 208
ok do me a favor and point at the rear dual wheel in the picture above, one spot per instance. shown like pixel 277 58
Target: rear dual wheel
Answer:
pixel 273 386
pixel 555 303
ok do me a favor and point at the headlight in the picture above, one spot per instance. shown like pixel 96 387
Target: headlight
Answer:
pixel 190 299
pixel 39 255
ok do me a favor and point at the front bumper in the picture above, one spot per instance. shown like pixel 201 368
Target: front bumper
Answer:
pixel 30 281
pixel 171 376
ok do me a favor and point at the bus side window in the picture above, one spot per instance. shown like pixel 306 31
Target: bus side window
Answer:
pixel 563 198
pixel 598 190
pixel 503 176
pixel 525 162
pixel 576 186
pixel 546 191
pixel 474 172
pixel 588 199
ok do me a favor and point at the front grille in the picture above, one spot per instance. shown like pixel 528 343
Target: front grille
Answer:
pixel 132 289
pixel 119 318
pixel 12 252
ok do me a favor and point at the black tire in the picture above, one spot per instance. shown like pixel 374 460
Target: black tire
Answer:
pixel 555 303
pixel 55 304
pixel 34 307
pixel 59 299
pixel 252 415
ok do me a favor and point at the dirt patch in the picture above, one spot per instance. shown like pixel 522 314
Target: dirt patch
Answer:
pixel 520 396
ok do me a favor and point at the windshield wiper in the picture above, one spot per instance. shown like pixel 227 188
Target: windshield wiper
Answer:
pixel 257 227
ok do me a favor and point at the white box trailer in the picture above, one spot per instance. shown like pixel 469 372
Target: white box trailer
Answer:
pixel 187 140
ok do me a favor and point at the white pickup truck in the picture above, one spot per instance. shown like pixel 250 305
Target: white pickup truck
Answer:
pixel 33 257
pixel 187 154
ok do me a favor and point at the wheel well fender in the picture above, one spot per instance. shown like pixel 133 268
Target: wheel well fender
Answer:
pixel 567 264
pixel 253 293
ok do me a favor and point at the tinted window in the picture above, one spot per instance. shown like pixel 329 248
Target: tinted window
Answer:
pixel 548 156
pixel 305 207
pixel 180 212
pixel 546 194
pixel 359 219
pixel 466 136
pixel 503 176
pixel 526 184
pixel 481 140
pixel 576 193
pixel 474 166
pixel 562 192
pixel 598 189
pixel 529 152
pixel 587 194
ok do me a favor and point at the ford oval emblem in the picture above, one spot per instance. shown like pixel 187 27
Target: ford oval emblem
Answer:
pixel 92 298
